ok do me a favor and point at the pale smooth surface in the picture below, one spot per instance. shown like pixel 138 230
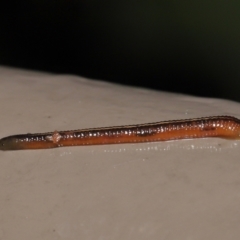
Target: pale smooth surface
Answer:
pixel 185 190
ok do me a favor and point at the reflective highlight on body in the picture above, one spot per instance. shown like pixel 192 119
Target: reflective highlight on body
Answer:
pixel 220 126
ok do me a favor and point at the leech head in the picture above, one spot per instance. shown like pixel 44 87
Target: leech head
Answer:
pixel 55 137
pixel 3 144
pixel 8 143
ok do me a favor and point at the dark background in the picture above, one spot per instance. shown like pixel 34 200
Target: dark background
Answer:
pixel 190 47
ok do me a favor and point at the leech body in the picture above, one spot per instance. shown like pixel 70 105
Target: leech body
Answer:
pixel 220 126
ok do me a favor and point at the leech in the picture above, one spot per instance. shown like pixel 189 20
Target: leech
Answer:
pixel 221 126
